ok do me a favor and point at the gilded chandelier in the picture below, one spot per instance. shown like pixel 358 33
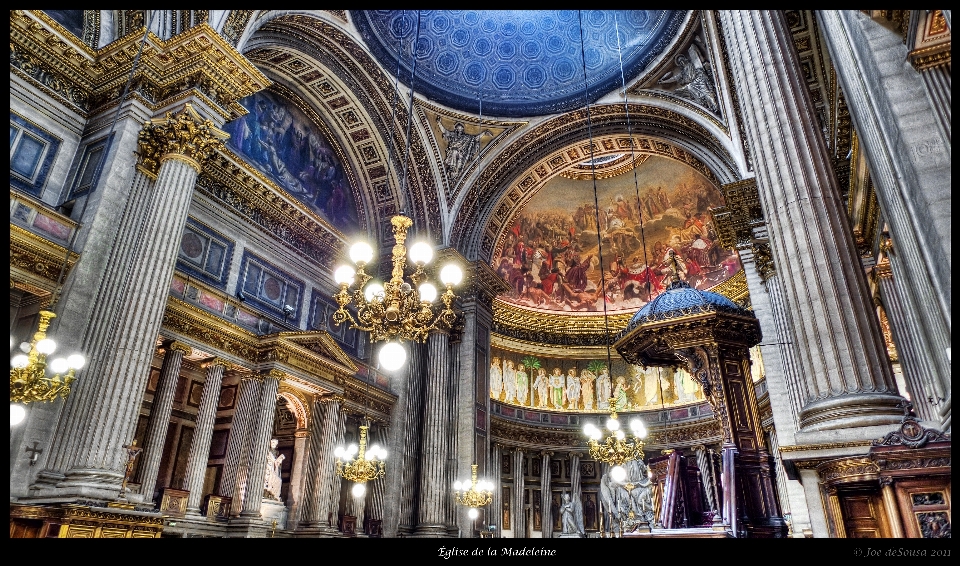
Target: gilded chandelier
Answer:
pixel 364 467
pixel 397 310
pixel 616 449
pixel 475 493
pixel 32 379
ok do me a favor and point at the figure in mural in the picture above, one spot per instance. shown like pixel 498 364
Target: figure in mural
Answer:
pixel 496 379
pixel 573 389
pixel 692 79
pixel 272 482
pixel 461 147
pixel 542 386
pixel 558 390
pixel 685 387
pixel 571 512
pixel 509 382
pixel 604 389
pixel 620 393
pixel 587 381
pixel 523 385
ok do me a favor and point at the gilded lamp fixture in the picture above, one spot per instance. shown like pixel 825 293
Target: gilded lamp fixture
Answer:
pixel 397 310
pixel 360 464
pixel 32 379
pixel 474 493
pixel 616 449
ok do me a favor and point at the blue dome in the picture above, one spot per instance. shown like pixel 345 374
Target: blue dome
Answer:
pixel 680 299
pixel 518 62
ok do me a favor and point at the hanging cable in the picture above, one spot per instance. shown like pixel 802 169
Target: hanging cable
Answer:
pixel 633 159
pixel 396 96
pixel 596 198
pixel 413 78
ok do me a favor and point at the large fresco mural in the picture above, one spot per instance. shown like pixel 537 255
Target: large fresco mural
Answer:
pixel 279 139
pixel 588 385
pixel 558 384
pixel 550 256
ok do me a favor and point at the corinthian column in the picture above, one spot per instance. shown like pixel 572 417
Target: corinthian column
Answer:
pixel 546 498
pixel 171 148
pixel 262 427
pixel 160 418
pixel 203 434
pixel 374 509
pixel 238 441
pixel 334 425
pixel 434 491
pixel 518 521
pixel 841 354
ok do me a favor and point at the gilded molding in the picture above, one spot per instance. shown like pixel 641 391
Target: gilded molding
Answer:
pixel 275 374
pixel 825 446
pixel 216 361
pixel 736 220
pixel 198 59
pixel 175 346
pixel 734 288
pixel 37 262
pixel 846 470
pixel 553 328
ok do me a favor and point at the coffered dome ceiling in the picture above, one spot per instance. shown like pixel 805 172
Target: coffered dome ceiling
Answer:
pixel 520 63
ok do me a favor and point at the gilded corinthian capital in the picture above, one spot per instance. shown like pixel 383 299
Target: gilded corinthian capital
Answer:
pixel 185 136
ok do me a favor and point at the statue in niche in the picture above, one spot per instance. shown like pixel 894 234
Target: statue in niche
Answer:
pixel 573 390
pixel 542 386
pixel 496 379
pixel 693 80
pixel 509 382
pixel 558 390
pixel 461 147
pixel 587 382
pixel 272 483
pixel 523 384
pixel 571 513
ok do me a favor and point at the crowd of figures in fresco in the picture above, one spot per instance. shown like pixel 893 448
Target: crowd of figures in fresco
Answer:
pixel 550 256
pixel 283 143
pixel 529 382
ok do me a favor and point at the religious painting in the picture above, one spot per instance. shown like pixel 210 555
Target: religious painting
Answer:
pixel 196 394
pixel 590 518
pixel 586 385
pixel 282 142
pixel 537 513
pixel 553 256
pixel 228 396
pixel 505 511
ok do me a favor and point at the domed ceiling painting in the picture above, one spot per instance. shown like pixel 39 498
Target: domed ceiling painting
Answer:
pixel 518 62
pixel 550 256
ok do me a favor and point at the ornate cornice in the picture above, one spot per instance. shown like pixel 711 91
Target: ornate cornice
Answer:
pixel 36 263
pixel 555 328
pixel 86 79
pixel 912 434
pixel 847 470
pixel 736 223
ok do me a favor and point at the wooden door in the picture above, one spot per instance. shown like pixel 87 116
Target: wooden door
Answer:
pixel 863 514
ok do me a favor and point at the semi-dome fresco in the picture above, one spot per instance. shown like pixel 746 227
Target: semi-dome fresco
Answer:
pixel 517 62
pixel 279 139
pixel 550 258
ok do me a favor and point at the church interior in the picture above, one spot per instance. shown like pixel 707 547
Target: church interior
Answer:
pixel 480 274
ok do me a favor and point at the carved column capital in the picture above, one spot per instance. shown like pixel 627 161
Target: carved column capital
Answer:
pixel 178 347
pixel 216 361
pixel 274 374
pixel 185 136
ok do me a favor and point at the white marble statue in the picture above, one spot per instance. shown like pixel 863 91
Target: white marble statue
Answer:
pixel 571 513
pixel 271 480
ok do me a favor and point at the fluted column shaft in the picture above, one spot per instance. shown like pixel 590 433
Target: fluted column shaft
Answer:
pixel 910 167
pixel 434 492
pixel 238 442
pixel 100 321
pixel 374 501
pixel 917 367
pixel 840 345
pixel 518 524
pixel 310 514
pixel 451 444
pixel 411 429
pixel 496 476
pixel 203 434
pixel 328 481
pixel 546 498
pixel 159 419
pixel 259 445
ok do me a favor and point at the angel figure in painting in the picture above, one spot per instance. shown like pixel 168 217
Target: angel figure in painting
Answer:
pixel 542 387
pixel 523 384
pixel 496 379
pixel 587 381
pixel 573 389
pixel 558 393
